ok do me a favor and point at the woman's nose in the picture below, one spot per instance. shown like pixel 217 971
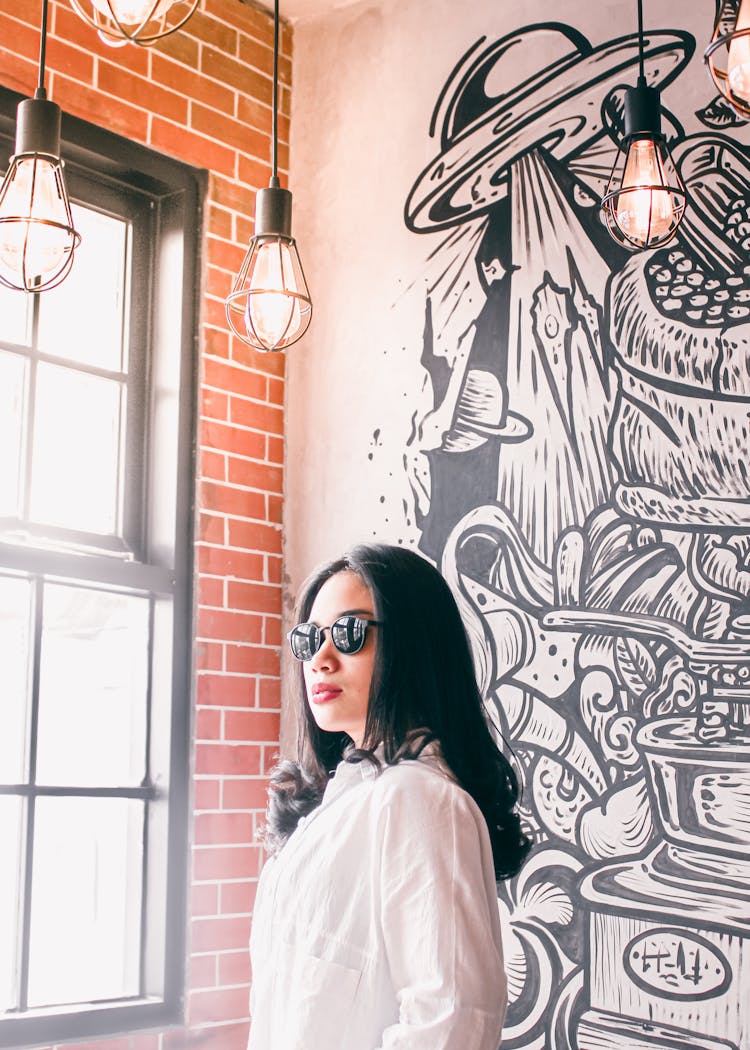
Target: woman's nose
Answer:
pixel 327 656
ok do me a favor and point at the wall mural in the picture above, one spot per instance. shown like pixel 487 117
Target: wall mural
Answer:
pixel 580 467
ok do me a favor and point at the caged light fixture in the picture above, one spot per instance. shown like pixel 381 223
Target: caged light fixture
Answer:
pixel 269 307
pixel 37 236
pixel 728 55
pixel 142 22
pixel 645 198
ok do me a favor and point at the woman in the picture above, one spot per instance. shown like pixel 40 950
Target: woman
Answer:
pixel 376 923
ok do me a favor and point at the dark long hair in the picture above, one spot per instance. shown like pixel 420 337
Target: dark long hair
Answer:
pixel 423 679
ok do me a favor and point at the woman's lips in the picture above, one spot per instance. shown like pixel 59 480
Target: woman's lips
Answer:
pixel 322 693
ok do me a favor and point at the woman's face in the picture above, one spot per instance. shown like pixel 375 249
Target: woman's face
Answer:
pixel 338 686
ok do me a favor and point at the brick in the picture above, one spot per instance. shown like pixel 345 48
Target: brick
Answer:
pixel 214 404
pixel 230 563
pixel 274 567
pixel 250 414
pixel 74 62
pixel 219 282
pixel 254 114
pixel 229 194
pixel 220 223
pixel 237 898
pixel 240 441
pixel 214 311
pixel 209 30
pixel 230 131
pixel 226 255
pixel 275 449
pixel 204 899
pixel 234 967
pixel 208 725
pixel 251 725
pixel 269 693
pixel 235 74
pixel 275 508
pixel 212 465
pixel 255 475
pixel 211 593
pixel 211 527
pixel 253 172
pixel 180 47
pixel 216 341
pixel 195 149
pixel 227 759
pixel 225 690
pixel 234 380
pixel 273 364
pixel 217 1005
pixel 225 862
pixel 254 536
pixel 202 971
pixel 142 92
pixel 245 793
pixel 254 596
pixel 253 659
pixel 223 829
pixel 81 101
pixel 253 20
pixel 24 37
pixel 231 1036
pixel 272 630
pixel 175 77
pixel 232 499
pixel 216 934
pixel 206 794
pixel 223 626
pixel 276 391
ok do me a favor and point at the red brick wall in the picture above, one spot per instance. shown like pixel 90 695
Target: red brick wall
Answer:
pixel 204 96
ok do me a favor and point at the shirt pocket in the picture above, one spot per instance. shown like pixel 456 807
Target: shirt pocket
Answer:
pixel 320 1006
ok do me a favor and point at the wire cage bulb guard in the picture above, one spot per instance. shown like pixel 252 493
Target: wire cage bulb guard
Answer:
pixel 269 307
pixel 727 57
pixel 141 22
pixel 645 198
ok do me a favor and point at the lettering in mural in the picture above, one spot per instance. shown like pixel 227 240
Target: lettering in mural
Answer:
pixel 580 468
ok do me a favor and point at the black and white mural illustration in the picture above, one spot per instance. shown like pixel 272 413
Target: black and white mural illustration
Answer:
pixel 579 465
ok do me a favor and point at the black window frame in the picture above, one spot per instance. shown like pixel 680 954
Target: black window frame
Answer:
pixel 159 548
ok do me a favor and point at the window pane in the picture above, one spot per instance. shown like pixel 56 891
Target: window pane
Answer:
pixel 15 316
pixel 92 701
pixel 85 899
pixel 10 867
pixel 12 406
pixel 82 319
pixel 15 646
pixel 75 465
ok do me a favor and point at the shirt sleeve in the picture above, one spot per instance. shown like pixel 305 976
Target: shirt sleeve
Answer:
pixel 439 919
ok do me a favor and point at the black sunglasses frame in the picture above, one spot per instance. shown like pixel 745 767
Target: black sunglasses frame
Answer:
pixel 320 636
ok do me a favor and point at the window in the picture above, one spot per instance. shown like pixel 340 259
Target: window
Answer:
pixel 96 406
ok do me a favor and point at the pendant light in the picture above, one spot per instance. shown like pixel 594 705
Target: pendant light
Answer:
pixel 37 237
pixel 645 197
pixel 142 22
pixel 269 307
pixel 730 72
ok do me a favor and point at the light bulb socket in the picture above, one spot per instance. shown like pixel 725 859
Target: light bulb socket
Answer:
pixel 273 212
pixel 38 127
pixel 642 114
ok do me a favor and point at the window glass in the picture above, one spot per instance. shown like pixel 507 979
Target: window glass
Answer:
pixel 88 856
pixel 82 319
pixel 75 476
pixel 15 311
pixel 93 687
pixel 13 369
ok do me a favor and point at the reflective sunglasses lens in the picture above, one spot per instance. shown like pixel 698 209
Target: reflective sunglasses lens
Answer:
pixel 305 640
pixel 348 634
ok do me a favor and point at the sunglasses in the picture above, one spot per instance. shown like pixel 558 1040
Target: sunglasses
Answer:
pixel 348 634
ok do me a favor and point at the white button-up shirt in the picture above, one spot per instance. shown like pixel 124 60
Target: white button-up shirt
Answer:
pixel 376 927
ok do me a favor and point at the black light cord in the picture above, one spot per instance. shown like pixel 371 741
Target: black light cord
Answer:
pixel 40 92
pixel 640 39
pixel 274 101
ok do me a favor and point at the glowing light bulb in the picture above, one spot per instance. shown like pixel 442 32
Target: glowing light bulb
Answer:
pixel 643 213
pixel 133 12
pixel 277 309
pixel 738 62
pixel 35 235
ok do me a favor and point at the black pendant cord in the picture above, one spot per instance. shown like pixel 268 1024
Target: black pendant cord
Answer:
pixel 641 75
pixel 274 100
pixel 40 91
